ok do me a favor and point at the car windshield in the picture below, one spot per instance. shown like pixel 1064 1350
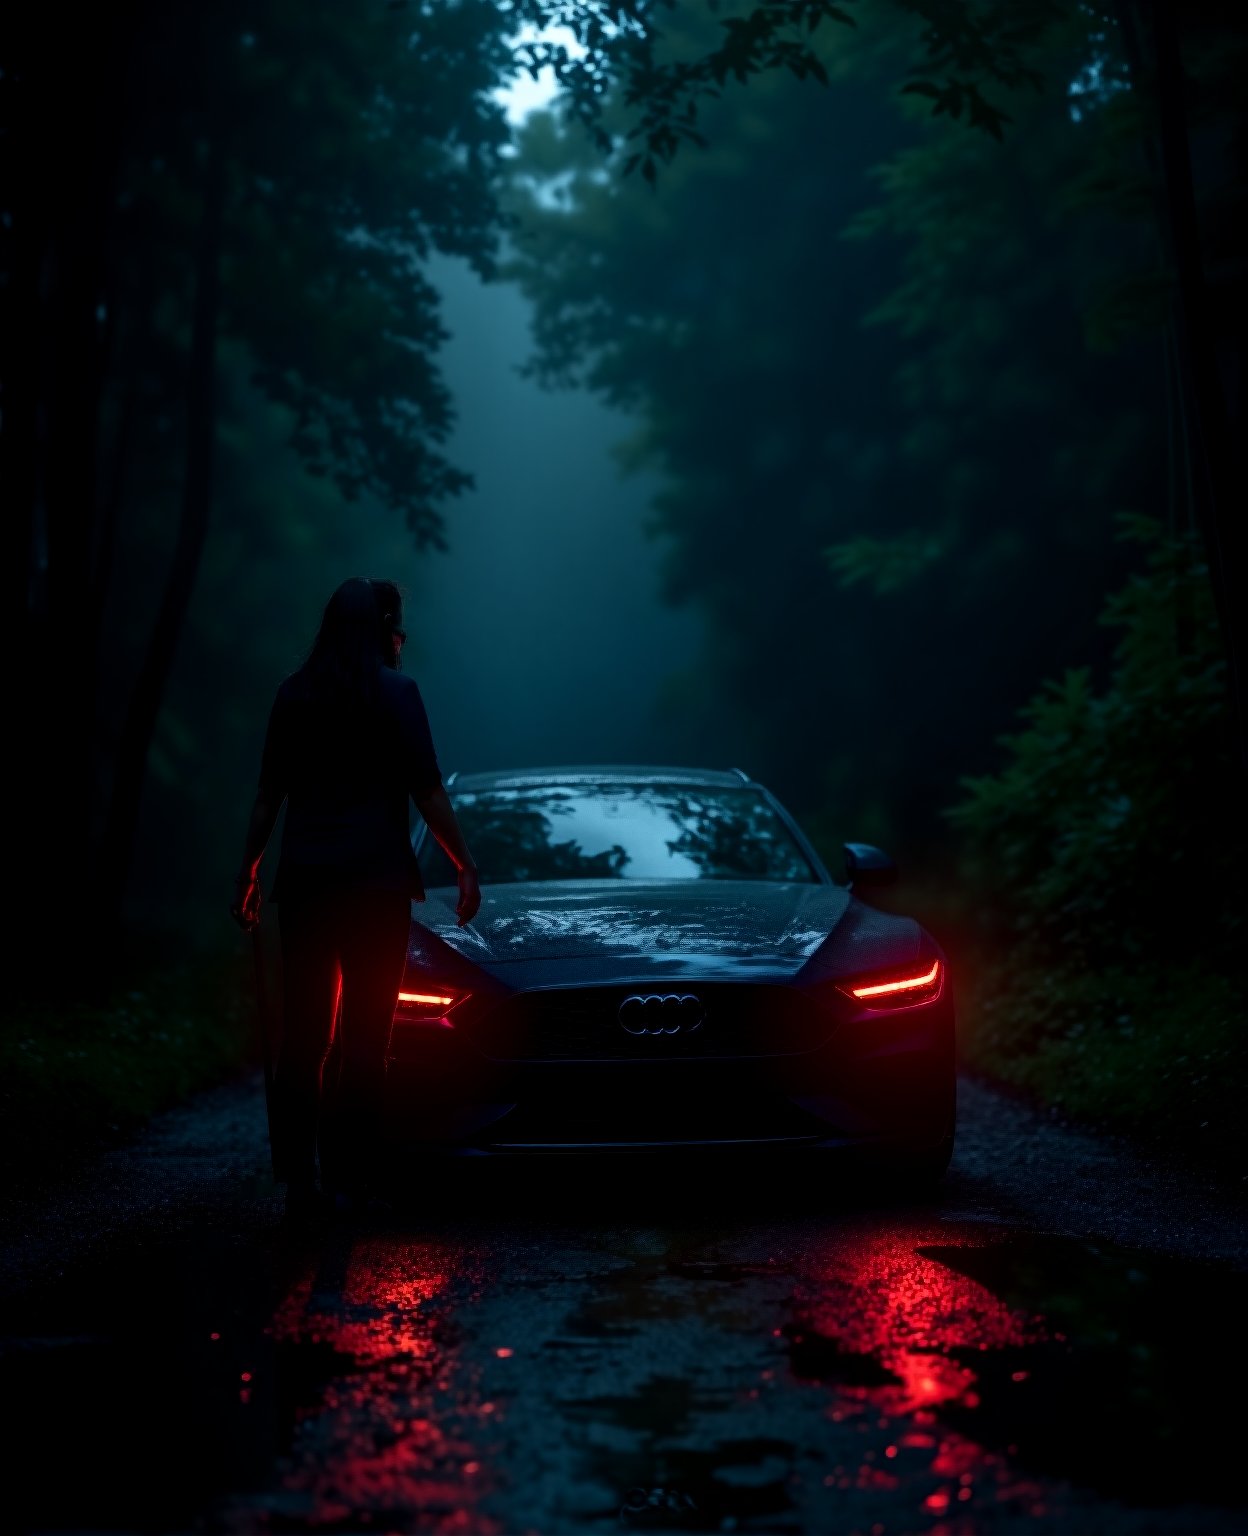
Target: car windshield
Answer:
pixel 620 831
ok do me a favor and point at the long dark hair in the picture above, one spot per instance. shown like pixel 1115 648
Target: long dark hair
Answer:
pixel 355 639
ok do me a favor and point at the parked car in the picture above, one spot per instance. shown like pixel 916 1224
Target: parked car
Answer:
pixel 661 961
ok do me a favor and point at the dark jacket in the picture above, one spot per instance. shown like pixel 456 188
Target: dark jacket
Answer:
pixel 346 767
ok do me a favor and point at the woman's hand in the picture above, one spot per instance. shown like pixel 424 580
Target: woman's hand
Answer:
pixel 436 808
pixel 245 908
pixel 469 894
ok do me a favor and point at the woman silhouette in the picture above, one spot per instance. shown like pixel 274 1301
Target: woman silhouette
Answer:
pixel 348 741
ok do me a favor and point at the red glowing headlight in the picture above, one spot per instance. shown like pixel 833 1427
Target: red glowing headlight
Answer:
pixel 904 991
pixel 427 1007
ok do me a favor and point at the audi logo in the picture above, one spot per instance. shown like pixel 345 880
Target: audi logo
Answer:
pixel 661 1013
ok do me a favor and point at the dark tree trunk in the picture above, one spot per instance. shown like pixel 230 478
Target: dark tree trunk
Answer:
pixel 117 848
pixel 64 100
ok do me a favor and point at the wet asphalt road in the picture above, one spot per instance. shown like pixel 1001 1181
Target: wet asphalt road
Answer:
pixel 1053 1344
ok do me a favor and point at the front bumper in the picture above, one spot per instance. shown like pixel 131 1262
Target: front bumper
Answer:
pixel 844 1077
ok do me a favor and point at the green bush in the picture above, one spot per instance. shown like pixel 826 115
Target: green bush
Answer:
pixel 1105 861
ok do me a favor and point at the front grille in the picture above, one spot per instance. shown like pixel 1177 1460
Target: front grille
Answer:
pixel 582 1024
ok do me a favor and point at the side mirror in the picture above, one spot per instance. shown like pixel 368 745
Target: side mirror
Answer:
pixel 868 868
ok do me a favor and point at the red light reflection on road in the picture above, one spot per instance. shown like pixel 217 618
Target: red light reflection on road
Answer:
pixel 391 1436
pixel 884 1300
pixel 896 1333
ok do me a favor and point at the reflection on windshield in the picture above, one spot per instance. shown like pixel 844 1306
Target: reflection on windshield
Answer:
pixel 620 831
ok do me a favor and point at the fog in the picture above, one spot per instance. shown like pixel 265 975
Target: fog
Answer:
pixel 540 636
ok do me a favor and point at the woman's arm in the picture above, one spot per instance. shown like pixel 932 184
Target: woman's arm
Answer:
pixel 259 831
pixel 439 814
pixel 246 907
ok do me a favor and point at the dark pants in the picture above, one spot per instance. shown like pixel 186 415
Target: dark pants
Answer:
pixel 353 943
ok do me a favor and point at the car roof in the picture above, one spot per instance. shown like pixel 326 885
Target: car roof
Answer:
pixel 599 773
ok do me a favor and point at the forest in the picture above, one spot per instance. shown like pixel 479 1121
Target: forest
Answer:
pixel 918 330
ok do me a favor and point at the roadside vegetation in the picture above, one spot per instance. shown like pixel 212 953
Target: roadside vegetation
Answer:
pixel 1106 863
pixel 78 1077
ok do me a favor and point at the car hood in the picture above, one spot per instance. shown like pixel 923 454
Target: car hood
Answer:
pixel 587 926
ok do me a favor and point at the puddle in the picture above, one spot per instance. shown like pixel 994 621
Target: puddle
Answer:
pixel 1111 1371
pixel 733 1484
pixel 1005 1381
pixel 869 1377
